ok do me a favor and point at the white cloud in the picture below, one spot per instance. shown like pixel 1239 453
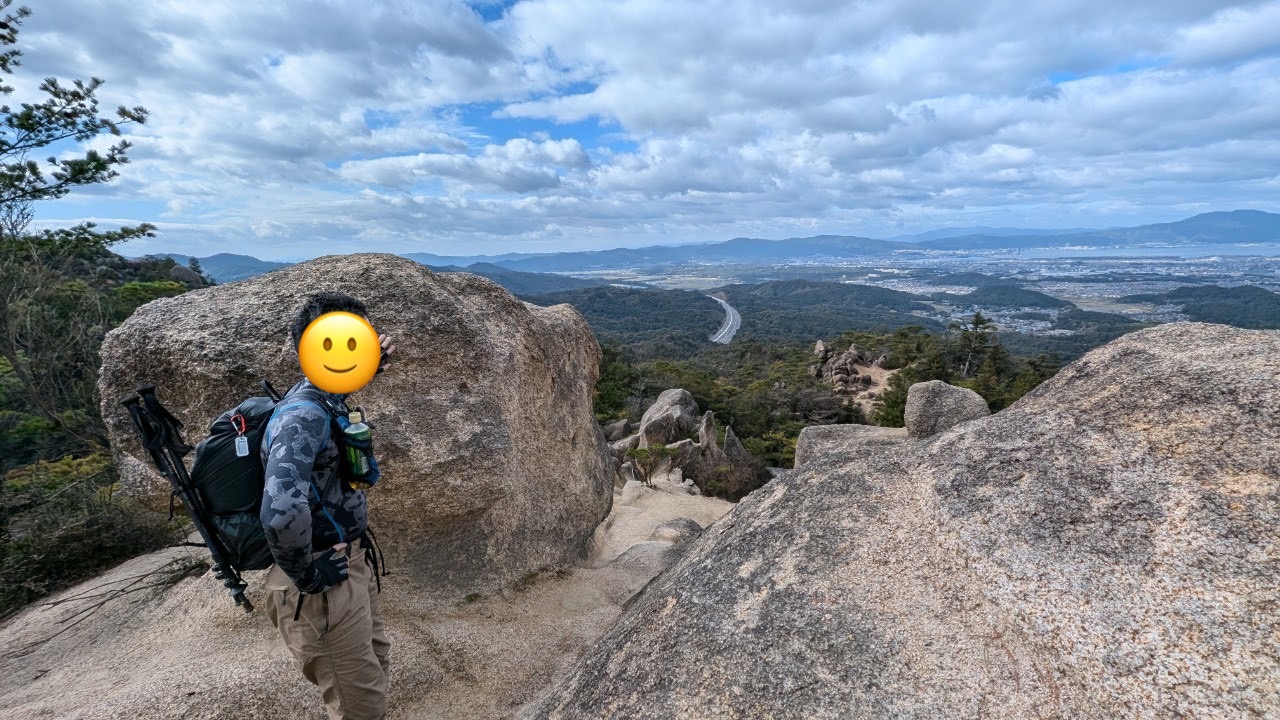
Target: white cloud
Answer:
pixel 519 166
pixel 1232 35
pixel 284 126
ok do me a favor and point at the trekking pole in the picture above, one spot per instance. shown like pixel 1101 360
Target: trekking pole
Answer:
pixel 162 438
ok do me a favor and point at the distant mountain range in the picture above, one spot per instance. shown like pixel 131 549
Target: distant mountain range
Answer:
pixel 942 233
pixel 1215 228
pixel 225 268
pixel 523 283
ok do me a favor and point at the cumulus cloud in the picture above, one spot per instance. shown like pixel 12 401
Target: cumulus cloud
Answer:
pixel 301 127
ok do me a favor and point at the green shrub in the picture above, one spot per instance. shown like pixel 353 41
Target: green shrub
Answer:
pixel 64 521
pixel 776 449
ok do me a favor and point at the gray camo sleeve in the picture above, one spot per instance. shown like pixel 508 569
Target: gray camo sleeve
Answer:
pixel 297 436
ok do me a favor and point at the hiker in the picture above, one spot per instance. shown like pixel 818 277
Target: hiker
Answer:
pixel 321 591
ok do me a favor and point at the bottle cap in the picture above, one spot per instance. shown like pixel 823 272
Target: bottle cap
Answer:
pixel 354 416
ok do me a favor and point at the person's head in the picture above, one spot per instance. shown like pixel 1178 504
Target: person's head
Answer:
pixel 319 304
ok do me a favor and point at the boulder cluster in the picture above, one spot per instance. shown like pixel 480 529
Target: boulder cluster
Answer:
pixel 853 374
pixel 724 469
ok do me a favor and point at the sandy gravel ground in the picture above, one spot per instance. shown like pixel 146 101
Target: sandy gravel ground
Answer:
pixel 186 652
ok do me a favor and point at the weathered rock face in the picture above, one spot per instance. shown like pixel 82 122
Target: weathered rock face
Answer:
pixel 623 446
pixel 186 275
pixel 935 406
pixel 482 481
pixel 1106 547
pixel 672 416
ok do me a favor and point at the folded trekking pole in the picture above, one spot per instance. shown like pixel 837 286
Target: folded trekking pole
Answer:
pixel 161 437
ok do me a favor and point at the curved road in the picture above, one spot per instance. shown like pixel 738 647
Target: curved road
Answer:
pixel 732 321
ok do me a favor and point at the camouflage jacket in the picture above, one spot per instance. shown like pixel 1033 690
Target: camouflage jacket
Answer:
pixel 305 505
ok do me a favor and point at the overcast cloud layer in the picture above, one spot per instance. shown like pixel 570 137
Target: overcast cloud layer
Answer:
pixel 293 129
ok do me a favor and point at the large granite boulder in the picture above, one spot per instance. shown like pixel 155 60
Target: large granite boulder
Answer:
pixel 186 276
pixel 620 448
pixel 483 479
pixel 671 417
pixel 1104 548
pixel 935 406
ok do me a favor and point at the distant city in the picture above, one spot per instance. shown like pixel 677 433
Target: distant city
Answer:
pixel 1023 280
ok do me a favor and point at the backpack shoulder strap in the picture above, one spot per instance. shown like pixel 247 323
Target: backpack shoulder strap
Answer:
pixel 305 396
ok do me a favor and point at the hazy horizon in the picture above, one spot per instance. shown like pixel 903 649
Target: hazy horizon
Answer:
pixel 1051 249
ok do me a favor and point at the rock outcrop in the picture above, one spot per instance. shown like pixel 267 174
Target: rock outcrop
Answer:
pixel 852 374
pixel 841 369
pixel 935 406
pixel 623 446
pixel 726 470
pixel 186 276
pixel 1104 548
pixel 482 481
pixel 729 472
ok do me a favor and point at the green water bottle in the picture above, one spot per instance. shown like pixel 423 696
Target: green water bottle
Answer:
pixel 357 458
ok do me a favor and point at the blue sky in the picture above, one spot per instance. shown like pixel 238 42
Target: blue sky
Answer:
pixel 298 128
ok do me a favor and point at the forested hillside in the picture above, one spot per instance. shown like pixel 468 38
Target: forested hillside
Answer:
pixel 649 323
pixel 1244 306
pixel 60 519
pixel 60 292
pixel 768 391
pixel 524 283
pixel 804 310
pixel 1007 296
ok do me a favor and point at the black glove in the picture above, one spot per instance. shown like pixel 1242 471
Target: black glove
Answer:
pixel 327 571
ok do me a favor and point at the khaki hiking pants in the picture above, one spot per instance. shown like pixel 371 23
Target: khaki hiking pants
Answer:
pixel 338 637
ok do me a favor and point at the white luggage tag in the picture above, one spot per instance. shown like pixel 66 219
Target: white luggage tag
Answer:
pixel 242 442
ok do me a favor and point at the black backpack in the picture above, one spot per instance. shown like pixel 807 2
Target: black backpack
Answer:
pixel 229 475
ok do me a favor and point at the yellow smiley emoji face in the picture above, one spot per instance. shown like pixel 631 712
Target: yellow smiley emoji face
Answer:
pixel 339 352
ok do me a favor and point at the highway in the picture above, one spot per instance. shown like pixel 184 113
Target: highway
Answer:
pixel 732 321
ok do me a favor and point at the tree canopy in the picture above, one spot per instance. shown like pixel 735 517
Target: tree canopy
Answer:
pixel 66 112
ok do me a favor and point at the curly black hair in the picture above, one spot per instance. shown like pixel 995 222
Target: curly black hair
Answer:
pixel 319 304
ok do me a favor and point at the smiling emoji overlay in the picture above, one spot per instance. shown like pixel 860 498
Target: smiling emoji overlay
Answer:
pixel 339 352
